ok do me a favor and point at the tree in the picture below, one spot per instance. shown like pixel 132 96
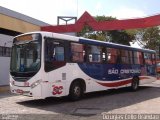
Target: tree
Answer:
pixel 120 37
pixel 150 37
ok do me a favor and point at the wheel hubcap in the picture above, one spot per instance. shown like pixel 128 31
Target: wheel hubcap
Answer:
pixel 77 91
pixel 135 85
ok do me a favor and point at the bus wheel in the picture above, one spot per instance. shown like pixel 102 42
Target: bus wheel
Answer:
pixel 135 84
pixel 76 91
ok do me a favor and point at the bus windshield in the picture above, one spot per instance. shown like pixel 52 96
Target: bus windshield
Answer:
pixel 25 58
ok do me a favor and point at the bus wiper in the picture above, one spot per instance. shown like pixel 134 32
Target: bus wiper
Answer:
pixel 23 72
pixel 30 72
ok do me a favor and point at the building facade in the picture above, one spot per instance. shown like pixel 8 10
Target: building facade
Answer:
pixel 12 24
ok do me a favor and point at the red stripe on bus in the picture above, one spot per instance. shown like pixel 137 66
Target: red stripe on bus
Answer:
pixel 120 83
pixel 115 84
pixel 142 78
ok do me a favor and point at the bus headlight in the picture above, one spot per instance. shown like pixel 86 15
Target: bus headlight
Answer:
pixel 35 83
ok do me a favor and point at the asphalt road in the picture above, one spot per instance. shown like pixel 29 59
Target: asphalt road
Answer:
pixel 94 106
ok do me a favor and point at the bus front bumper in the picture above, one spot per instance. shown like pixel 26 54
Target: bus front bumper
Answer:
pixel 27 91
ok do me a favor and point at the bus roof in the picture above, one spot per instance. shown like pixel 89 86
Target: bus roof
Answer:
pixel 109 44
pixel 88 41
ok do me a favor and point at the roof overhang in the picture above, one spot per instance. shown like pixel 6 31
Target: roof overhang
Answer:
pixel 87 19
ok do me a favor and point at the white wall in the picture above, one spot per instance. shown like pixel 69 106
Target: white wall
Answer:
pixel 4 70
pixel 5 40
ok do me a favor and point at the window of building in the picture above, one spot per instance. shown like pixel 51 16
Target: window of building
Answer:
pixel 1 51
pixel 8 52
pixel 5 51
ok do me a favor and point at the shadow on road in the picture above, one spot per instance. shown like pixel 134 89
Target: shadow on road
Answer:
pixel 95 103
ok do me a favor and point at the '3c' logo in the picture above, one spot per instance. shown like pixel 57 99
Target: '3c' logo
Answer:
pixel 57 90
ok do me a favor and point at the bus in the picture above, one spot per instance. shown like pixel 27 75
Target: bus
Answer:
pixel 45 64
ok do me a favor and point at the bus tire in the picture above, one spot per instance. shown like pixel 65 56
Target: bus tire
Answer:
pixel 135 84
pixel 76 91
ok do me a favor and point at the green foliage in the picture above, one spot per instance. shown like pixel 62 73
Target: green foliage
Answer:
pixel 120 37
pixel 150 37
pixel 104 18
pixel 85 31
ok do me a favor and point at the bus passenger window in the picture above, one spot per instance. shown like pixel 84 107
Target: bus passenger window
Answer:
pixel 148 58
pixel 94 53
pixel 54 55
pixel 153 59
pixel 77 52
pixel 54 52
pixel 112 55
pixel 124 57
pixel 58 54
pixel 130 57
pixel 104 55
pixel 135 57
pixel 140 57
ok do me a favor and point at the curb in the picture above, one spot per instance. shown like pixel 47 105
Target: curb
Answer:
pixel 4 88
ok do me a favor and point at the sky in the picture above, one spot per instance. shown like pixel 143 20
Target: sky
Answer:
pixel 48 10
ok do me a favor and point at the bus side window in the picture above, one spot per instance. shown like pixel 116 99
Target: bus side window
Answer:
pixel 153 58
pixel 138 57
pixel 54 51
pixel 148 58
pixel 54 54
pixel 130 57
pixel 77 52
pixel 118 57
pixel 94 54
pixel 112 55
pixel 48 53
pixel 141 58
pixel 124 57
pixel 135 57
pixel 58 54
pixel 104 55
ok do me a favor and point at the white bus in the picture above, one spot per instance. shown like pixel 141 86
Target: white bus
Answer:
pixel 45 64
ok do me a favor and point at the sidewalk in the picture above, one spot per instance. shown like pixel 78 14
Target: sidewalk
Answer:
pixel 4 88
